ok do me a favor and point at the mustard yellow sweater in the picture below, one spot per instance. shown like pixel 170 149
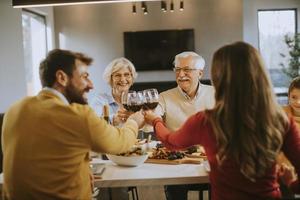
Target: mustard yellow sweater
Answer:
pixel 46 145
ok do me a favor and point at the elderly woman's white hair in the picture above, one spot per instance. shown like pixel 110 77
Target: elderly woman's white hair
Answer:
pixel 197 60
pixel 116 65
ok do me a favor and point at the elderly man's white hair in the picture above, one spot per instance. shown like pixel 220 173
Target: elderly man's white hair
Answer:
pixel 116 65
pixel 197 60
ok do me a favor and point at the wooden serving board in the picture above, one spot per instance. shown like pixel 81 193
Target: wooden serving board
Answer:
pixel 196 156
pixel 184 160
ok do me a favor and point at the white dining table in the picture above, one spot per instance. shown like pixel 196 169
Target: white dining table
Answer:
pixel 150 174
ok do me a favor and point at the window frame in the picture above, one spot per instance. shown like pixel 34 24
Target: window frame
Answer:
pixel 281 91
pixel 276 9
pixel 45 22
pixel 31 70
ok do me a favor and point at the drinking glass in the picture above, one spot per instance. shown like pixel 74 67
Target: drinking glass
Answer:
pixel 132 100
pixel 150 99
pixel 150 103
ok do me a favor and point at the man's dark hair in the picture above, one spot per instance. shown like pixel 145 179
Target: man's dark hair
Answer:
pixel 59 59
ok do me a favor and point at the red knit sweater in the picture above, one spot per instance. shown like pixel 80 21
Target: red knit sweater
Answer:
pixel 227 182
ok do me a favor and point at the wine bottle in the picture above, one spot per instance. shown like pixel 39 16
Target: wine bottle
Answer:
pixel 106 113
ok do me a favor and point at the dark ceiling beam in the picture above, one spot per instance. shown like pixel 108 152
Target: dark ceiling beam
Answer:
pixel 27 3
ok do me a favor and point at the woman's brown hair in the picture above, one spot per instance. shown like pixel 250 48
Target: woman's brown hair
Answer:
pixel 247 121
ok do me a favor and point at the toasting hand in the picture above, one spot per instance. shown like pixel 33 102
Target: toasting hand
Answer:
pixel 150 116
pixel 139 118
pixel 121 116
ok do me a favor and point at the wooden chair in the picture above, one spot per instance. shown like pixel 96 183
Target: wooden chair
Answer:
pixel 201 188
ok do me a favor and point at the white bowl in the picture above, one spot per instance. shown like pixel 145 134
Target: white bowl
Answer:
pixel 131 161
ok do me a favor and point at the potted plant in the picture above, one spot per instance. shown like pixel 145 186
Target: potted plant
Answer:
pixel 293 66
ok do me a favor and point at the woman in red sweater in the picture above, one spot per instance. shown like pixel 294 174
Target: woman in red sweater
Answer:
pixel 243 133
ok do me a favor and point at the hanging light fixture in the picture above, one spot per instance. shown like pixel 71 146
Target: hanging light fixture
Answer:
pixel 181 6
pixel 134 8
pixel 144 7
pixel 146 11
pixel 163 6
pixel 172 6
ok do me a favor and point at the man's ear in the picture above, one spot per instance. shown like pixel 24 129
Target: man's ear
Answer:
pixel 200 73
pixel 62 78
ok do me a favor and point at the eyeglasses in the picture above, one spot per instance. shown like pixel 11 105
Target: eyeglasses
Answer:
pixel 185 70
pixel 119 76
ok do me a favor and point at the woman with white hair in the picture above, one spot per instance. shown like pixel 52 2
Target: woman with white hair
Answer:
pixel 120 75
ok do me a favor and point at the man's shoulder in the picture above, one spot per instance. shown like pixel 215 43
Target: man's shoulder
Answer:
pixel 21 102
pixel 169 92
pixel 209 88
pixel 206 91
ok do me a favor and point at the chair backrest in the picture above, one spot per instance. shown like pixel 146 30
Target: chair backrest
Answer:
pixel 1 154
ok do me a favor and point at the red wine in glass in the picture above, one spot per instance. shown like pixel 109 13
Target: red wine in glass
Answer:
pixel 150 99
pixel 150 106
pixel 132 108
pixel 132 100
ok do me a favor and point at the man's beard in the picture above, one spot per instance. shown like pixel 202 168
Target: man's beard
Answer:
pixel 74 95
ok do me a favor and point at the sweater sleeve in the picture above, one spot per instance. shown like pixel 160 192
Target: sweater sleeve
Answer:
pixel 190 133
pixel 106 138
pixel 291 148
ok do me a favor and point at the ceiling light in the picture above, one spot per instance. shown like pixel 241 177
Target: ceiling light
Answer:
pixel 163 6
pixel 145 8
pixel 181 6
pixel 134 8
pixel 146 12
pixel 172 6
pixel 143 5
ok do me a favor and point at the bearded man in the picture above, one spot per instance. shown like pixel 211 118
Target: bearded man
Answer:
pixel 47 138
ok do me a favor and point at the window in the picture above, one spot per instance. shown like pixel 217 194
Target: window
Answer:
pixel 35 48
pixel 273 25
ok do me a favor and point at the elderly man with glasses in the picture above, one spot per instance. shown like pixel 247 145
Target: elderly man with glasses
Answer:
pixel 177 104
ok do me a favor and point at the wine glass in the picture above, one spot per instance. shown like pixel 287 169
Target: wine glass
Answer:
pixel 124 98
pixel 150 99
pixel 132 100
pixel 150 103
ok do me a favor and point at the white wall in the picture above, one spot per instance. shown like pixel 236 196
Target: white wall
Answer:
pixel 250 8
pixel 98 30
pixel 94 30
pixel 12 72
